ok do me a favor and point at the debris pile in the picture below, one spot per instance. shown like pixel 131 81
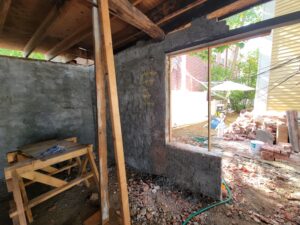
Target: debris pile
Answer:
pixel 158 200
pixel 248 127
pixel 243 128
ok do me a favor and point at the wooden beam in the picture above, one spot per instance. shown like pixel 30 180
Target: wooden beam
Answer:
pixel 100 72
pixel 4 9
pixel 124 10
pixel 245 32
pixel 231 8
pixel 69 42
pixel 103 11
pixel 163 20
pixel 41 31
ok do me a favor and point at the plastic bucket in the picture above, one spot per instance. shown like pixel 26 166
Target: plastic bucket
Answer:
pixel 214 123
pixel 255 146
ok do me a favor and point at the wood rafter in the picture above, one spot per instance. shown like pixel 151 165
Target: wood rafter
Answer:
pixel 41 31
pixel 69 42
pixel 4 9
pixel 179 10
pixel 78 36
pixel 124 10
pixel 231 8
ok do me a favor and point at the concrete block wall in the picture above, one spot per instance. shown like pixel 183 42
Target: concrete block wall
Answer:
pixel 41 101
pixel 142 85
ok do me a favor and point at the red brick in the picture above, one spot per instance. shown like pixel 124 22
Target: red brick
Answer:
pixel 279 156
pixel 267 155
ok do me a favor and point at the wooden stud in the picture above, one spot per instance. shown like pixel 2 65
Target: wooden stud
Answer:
pixel 103 10
pixel 100 71
pixel 209 97
pixel 18 198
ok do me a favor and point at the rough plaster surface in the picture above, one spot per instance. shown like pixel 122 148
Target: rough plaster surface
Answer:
pixel 42 100
pixel 141 77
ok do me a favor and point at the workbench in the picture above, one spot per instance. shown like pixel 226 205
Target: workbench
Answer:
pixel 30 164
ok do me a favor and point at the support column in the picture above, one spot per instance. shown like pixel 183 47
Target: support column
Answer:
pixel 103 10
pixel 100 71
pixel 209 98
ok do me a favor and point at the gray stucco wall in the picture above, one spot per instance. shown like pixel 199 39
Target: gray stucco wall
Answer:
pixel 42 100
pixel 142 85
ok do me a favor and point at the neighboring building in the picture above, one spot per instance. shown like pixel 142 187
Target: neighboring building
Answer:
pixel 278 83
pixel 188 72
pixel 284 83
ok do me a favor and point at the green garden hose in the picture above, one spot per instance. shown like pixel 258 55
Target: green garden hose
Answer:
pixel 227 200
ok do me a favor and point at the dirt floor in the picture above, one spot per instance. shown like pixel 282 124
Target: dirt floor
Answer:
pixel 262 194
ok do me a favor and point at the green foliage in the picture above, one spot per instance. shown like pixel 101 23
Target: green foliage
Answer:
pixel 244 18
pixel 37 55
pixel 220 73
pixel 15 53
pixel 9 52
pixel 247 66
pixel 248 75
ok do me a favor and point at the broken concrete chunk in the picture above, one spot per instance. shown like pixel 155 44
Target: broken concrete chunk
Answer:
pixel 265 136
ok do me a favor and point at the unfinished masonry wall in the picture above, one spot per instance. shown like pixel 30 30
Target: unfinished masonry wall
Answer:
pixel 142 86
pixel 42 100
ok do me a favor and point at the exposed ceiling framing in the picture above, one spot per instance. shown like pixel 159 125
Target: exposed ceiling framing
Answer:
pixel 62 29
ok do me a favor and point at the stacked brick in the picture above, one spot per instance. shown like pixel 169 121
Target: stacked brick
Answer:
pixel 281 151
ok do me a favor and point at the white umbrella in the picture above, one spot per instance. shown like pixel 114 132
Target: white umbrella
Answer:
pixel 232 86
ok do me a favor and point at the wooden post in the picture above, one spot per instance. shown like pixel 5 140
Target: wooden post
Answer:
pixel 100 71
pixel 292 120
pixel 209 98
pixel 103 11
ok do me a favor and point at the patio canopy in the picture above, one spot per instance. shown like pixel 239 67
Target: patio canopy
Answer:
pixel 231 86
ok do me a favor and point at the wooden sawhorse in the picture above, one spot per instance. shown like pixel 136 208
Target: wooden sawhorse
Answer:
pixel 26 164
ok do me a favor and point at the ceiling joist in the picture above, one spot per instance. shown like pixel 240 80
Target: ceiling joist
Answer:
pixel 163 20
pixel 41 31
pixel 4 9
pixel 127 12
pixel 69 42
pixel 233 7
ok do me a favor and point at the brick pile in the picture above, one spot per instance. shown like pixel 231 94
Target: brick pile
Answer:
pixel 282 151
pixel 245 126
